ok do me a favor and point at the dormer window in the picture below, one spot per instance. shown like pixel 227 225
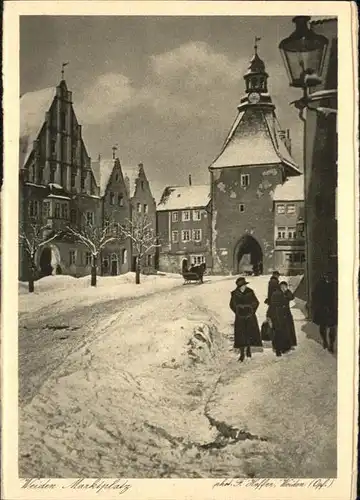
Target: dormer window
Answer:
pixel 120 200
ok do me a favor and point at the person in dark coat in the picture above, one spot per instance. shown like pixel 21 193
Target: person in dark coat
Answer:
pixel 281 319
pixel 244 304
pixel 325 309
pixel 273 285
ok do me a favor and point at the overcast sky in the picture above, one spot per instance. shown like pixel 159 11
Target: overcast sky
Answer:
pixel 164 89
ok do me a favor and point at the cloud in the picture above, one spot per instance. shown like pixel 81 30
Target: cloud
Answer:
pixel 191 79
pixel 109 95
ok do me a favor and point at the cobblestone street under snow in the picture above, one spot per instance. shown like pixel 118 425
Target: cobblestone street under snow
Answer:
pixel 141 381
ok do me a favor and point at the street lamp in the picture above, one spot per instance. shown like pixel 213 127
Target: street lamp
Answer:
pixel 303 53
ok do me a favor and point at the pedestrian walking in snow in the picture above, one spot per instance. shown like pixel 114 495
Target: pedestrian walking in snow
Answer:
pixel 325 308
pixel 281 319
pixel 272 285
pixel 244 304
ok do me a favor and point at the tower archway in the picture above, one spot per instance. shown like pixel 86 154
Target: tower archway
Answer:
pixel 248 256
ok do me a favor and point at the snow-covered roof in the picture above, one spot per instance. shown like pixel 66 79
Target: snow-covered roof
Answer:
pixel 33 106
pixel 291 190
pixel 102 170
pixel 181 197
pixel 131 174
pixel 254 140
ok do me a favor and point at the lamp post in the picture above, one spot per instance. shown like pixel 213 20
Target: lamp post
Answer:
pixel 303 54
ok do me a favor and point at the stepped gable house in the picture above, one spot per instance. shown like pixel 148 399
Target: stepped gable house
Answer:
pixel 255 158
pixel 289 256
pixel 184 226
pixel 59 185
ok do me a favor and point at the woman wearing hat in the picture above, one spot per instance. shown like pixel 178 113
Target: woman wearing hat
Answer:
pixel 244 304
pixel 284 336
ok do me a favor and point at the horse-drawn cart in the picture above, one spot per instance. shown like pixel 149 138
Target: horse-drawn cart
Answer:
pixel 192 277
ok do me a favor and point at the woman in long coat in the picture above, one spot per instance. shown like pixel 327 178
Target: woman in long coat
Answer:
pixel 284 336
pixel 244 304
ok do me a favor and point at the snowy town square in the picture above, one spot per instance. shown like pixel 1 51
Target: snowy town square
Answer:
pixel 178 252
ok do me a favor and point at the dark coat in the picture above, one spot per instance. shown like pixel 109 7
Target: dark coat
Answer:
pixel 246 328
pixel 272 286
pixel 325 303
pixel 284 336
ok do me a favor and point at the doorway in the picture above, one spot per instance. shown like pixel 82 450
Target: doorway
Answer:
pixel 114 264
pixel 45 262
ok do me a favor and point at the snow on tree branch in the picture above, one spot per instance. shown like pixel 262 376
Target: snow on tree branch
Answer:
pixel 94 237
pixel 34 237
pixel 141 232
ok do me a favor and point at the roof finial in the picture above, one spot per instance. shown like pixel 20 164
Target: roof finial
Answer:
pixel 257 39
pixel 62 69
pixel 114 149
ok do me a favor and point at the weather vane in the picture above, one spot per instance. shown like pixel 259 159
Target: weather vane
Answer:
pixel 257 39
pixel 62 69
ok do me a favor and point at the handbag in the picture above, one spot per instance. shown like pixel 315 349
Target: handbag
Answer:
pixel 267 330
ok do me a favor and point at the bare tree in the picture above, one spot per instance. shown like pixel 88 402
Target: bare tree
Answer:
pixel 35 236
pixel 95 239
pixel 140 230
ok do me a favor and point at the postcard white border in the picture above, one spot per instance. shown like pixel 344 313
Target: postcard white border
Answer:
pixel 344 486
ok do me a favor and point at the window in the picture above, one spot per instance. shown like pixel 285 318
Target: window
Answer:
pixel 300 230
pixel 46 209
pixel 295 258
pixel 64 211
pixel 186 215
pixel 290 209
pixel 73 179
pixel 281 209
pixel 41 175
pixel 146 209
pixel 57 210
pixel 33 208
pixel 241 207
pixel 72 257
pixel 196 260
pixel 52 174
pixel 63 120
pixel 281 233
pixel 291 232
pixel 73 216
pixel 124 256
pixel 138 208
pixel 149 260
pixel 87 258
pixel 175 216
pixel 82 183
pixel 196 215
pixel 245 180
pixel 120 200
pixel 197 234
pixel 111 198
pixel 53 147
pixel 142 185
pixel 185 235
pixel 117 176
pixel 90 218
pixel 175 236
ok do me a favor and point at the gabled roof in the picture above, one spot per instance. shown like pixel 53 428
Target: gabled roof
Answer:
pixel 131 174
pixel 291 190
pixel 33 106
pixel 183 197
pixel 102 170
pixel 254 140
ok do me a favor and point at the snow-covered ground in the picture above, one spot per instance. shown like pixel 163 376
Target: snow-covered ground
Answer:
pixel 157 391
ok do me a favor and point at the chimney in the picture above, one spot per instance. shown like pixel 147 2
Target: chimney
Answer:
pixel 189 179
pixel 99 157
pixel 141 166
